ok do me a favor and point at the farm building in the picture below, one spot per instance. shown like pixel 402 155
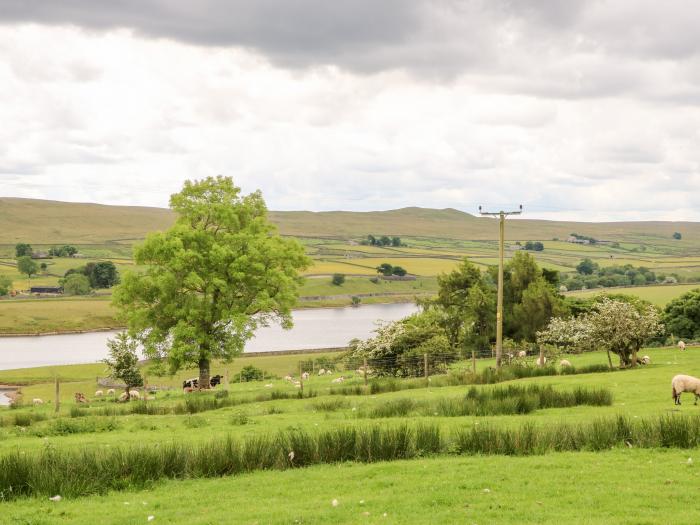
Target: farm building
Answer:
pixel 46 289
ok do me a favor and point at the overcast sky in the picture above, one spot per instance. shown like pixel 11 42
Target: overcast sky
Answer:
pixel 576 109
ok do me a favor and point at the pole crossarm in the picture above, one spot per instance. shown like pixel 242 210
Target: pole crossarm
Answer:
pixel 501 215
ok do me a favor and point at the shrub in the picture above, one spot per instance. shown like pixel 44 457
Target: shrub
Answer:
pixel 250 373
pixel 338 279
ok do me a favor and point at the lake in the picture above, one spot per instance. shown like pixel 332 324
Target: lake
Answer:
pixel 313 328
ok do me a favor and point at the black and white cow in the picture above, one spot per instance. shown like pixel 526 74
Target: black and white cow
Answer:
pixel 194 382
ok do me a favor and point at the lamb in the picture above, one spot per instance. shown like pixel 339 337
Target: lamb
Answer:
pixel 37 401
pixel 522 353
pixel 288 378
pixel 134 394
pixel 563 363
pixel 646 360
pixel 110 392
pixel 681 345
pixel 338 380
pixel 683 383
pixel 99 393
pixel 322 371
pixel 305 376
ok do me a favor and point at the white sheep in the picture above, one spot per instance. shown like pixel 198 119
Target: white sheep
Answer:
pixel 329 372
pixel 37 401
pixel 305 376
pixel 288 378
pixel 99 393
pixel 134 394
pixel 682 383
pixel 541 361
pixel 681 345
pixel 522 353
pixel 322 371
pixel 646 360
pixel 564 363
pixel 110 392
pixel 338 380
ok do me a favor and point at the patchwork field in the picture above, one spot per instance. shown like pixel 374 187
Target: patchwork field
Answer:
pixel 658 295
pixel 638 480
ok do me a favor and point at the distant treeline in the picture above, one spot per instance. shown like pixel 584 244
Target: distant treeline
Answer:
pixel 384 240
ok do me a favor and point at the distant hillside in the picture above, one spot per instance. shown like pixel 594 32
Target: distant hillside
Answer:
pixel 51 222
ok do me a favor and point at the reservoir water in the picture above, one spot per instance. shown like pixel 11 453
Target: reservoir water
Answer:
pixel 314 328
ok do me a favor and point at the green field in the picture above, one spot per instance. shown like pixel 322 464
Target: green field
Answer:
pixel 626 484
pixel 658 295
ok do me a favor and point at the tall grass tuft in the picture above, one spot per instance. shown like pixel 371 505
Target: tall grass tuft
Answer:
pixel 83 471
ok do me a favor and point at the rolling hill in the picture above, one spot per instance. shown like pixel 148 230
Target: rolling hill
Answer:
pixel 53 222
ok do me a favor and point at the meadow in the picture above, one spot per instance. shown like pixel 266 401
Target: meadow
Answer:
pixel 620 450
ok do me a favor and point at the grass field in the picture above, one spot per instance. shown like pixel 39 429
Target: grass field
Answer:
pixel 658 295
pixel 620 485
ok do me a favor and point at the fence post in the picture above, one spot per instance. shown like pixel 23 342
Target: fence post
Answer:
pixel 226 385
pixel 365 369
pixel 425 365
pixel 57 402
pixel 474 362
pixel 313 366
pixel 301 379
pixel 145 389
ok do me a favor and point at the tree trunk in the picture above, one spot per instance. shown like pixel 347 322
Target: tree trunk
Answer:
pixel 634 357
pixel 204 374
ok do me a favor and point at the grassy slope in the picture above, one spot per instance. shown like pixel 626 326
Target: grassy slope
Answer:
pixel 56 222
pixel 618 486
pixel 658 295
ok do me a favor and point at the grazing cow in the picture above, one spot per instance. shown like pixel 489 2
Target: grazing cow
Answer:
pixel 194 382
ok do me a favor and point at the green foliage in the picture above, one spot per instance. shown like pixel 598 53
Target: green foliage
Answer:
pixel 5 285
pixel 677 236
pixel 27 266
pixel 123 361
pixel 102 274
pixel 682 315
pixel 75 284
pixel 536 246
pixel 398 270
pixel 250 373
pixel 212 279
pixel 385 269
pixel 23 250
pixel 338 279
pixel 63 251
pixel 586 267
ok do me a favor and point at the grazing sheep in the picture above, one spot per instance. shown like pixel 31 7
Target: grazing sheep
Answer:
pixel 329 372
pixel 322 371
pixel 681 345
pixel 110 392
pixel 37 401
pixel 564 363
pixel 99 393
pixel 522 353
pixel 288 378
pixel 305 376
pixel 134 394
pixel 683 383
pixel 646 360
pixel 338 380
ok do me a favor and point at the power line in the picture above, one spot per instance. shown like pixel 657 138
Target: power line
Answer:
pixel 499 312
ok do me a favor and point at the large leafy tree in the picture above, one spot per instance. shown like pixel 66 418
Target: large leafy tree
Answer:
pixel 28 267
pixel 682 315
pixel 212 279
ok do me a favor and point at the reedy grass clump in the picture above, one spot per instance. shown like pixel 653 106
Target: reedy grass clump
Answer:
pixel 77 472
pixel 513 399
pixel 22 419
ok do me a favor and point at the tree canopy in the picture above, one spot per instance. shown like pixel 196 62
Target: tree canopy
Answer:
pixel 212 279
pixel 23 249
pixel 27 266
pixel 682 315
pixel 122 363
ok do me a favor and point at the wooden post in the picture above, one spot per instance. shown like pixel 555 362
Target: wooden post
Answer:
pixel 301 379
pixel 474 362
pixel 541 358
pixel 365 369
pixel 57 401
pixel 425 365
pixel 226 385
pixel 313 366
pixel 145 389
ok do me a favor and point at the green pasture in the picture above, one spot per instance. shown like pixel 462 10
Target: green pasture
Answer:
pixel 659 295
pixel 622 485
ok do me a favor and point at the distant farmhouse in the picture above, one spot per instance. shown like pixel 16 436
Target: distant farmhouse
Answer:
pixel 41 255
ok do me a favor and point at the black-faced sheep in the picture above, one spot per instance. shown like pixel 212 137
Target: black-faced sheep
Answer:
pixel 683 383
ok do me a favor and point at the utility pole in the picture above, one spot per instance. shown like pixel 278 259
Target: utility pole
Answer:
pixel 499 310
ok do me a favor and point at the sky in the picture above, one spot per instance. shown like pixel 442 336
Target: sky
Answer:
pixel 583 110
